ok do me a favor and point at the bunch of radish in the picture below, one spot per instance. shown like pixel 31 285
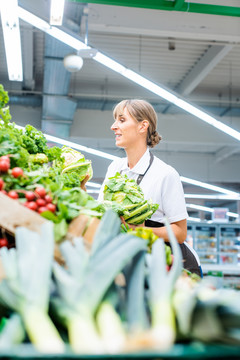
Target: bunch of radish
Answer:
pixel 37 200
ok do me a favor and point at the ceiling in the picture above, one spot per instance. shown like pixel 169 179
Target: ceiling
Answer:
pixel 183 46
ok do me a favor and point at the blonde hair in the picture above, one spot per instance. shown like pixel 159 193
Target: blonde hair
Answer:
pixel 141 110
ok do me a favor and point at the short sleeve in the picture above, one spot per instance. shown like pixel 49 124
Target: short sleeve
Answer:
pixel 173 201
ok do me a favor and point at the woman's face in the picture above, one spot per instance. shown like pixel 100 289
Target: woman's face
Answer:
pixel 126 129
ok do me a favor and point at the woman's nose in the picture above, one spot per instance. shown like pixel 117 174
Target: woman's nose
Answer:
pixel 114 126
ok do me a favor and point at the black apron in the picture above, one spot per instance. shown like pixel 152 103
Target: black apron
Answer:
pixel 189 261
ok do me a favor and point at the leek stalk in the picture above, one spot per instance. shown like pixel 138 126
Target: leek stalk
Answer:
pixel 161 282
pixel 26 288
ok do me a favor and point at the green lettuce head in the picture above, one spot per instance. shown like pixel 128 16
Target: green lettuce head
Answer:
pixel 74 161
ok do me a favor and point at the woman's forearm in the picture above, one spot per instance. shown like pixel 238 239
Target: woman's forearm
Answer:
pixel 179 228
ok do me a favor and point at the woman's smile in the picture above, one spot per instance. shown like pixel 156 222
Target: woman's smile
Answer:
pixel 125 128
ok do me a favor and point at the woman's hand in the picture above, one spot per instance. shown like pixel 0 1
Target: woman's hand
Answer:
pixel 130 226
pixel 83 183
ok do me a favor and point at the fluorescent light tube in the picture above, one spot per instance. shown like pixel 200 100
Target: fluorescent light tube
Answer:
pixel 207 118
pixel 56 12
pixel 111 64
pixel 93 184
pixel 149 85
pixel 51 30
pixel 199 207
pixel 208 186
pixel 213 197
pixel 91 191
pixel 190 218
pixel 12 39
pixel 208 209
pixel 229 213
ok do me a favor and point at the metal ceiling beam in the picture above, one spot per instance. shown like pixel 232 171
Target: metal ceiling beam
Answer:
pixel 177 5
pixel 202 68
pixel 226 152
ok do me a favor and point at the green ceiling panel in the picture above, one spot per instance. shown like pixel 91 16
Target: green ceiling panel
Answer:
pixel 177 5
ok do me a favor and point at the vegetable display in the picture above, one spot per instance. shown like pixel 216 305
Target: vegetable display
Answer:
pixel 42 178
pixel 93 313
pixel 129 198
pixel 127 293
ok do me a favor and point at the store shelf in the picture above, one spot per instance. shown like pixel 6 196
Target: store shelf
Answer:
pixel 217 245
pixel 224 268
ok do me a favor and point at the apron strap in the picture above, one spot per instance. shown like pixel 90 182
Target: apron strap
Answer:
pixel 140 177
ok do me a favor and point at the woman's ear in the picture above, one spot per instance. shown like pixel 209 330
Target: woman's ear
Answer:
pixel 144 126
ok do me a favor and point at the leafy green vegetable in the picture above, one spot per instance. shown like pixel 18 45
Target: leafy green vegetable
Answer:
pixel 128 194
pixel 4 110
pixel 75 161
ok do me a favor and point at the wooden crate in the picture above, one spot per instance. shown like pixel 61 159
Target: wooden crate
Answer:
pixel 14 214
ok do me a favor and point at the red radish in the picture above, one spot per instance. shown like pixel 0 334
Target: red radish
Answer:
pixel 51 207
pixel 13 194
pixel 3 242
pixel 42 209
pixel 4 166
pixel 3 192
pixel 40 191
pixel 17 171
pixel 40 202
pixel 4 158
pixel 48 198
pixel 31 205
pixel 1 183
pixel 30 196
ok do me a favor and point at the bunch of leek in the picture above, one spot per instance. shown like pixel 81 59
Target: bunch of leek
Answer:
pixel 161 287
pixel 206 314
pixel 85 282
pixel 126 192
pixel 26 287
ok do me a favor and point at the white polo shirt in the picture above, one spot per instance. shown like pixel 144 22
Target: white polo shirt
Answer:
pixel 161 183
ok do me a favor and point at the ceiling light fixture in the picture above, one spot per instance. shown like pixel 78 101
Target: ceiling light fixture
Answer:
pixel 73 62
pixel 212 197
pixel 208 209
pixel 209 186
pixel 12 39
pixel 56 12
pixel 199 207
pixel 129 74
pixel 190 218
pixel 93 184
pixel 51 30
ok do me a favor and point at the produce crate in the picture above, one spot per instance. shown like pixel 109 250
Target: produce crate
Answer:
pixel 14 214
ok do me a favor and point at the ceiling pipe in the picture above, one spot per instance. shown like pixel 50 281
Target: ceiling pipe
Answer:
pixel 177 5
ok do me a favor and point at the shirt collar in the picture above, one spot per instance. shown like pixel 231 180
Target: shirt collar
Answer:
pixel 141 165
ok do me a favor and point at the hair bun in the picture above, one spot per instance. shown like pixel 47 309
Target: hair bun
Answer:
pixel 154 139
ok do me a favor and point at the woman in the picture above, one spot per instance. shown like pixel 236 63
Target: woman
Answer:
pixel 135 131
